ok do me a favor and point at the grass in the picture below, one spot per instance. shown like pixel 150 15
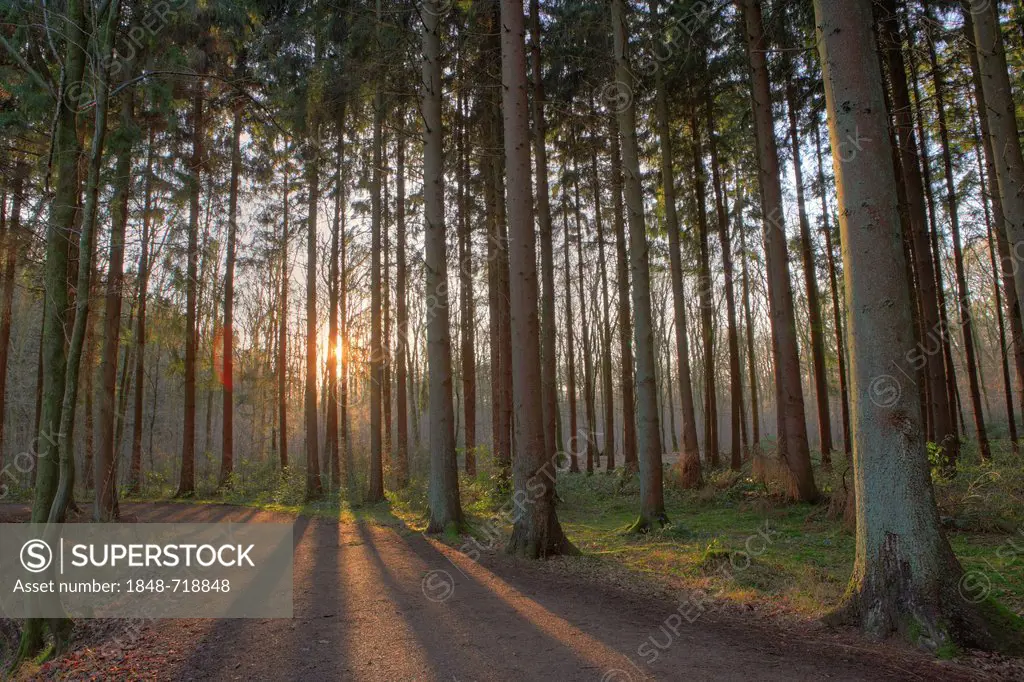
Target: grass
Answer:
pixel 735 538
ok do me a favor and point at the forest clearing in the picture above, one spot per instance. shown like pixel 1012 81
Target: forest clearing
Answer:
pixel 608 340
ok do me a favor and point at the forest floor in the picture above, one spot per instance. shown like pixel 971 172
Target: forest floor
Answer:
pixel 734 588
pixel 377 600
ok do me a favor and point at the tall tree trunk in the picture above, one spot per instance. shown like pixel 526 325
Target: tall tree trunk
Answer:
pixel 536 532
pixel 282 343
pixel 498 261
pixel 347 465
pixel 837 309
pixel 13 242
pixel 468 310
pixel 187 482
pixel 314 486
pixel 135 464
pixel 689 461
pixel 905 576
pixel 952 390
pixel 334 345
pixel 549 364
pixel 705 293
pixel 629 454
pixel 53 356
pixel 735 378
pixel 793 449
pixel 1011 419
pixel 810 275
pixel 931 359
pixel 963 296
pixel 607 388
pixel 85 269
pixel 1002 123
pixel 62 216
pixel 652 502
pixel 445 507
pixel 227 459
pixel 402 314
pixel 606 382
pixel 588 358
pixel 376 491
pixel 105 465
pixel 755 403
pixel 1007 263
pixel 572 446
pixel 385 310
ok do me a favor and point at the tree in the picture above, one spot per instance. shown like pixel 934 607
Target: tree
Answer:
pixel 314 485
pixel 12 241
pixel 793 449
pixel 689 463
pixel 536 532
pixel 187 481
pixel 905 576
pixel 549 396
pixel 810 274
pixel 940 409
pixel 227 460
pixel 376 492
pixel 963 296
pixel 1002 123
pixel 652 503
pixel 445 508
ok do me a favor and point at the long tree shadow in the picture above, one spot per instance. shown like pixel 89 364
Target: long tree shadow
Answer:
pixel 224 640
pixel 462 623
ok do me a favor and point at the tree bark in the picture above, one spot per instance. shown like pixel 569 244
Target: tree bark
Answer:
pixel 942 411
pixel 689 461
pixel 588 359
pixel 963 296
pixel 105 464
pixel 572 444
pixel 187 482
pixel 735 379
pixel 549 364
pixel 282 343
pixel 905 576
pixel 135 464
pixel 227 458
pixel 810 275
pixel 755 403
pixel 1002 123
pixel 792 441
pixel 837 310
pixel 335 345
pixel 606 330
pixel 445 507
pixel 705 293
pixel 652 503
pixel 402 313
pixel 13 242
pixel 1006 261
pixel 536 532
pixel 629 454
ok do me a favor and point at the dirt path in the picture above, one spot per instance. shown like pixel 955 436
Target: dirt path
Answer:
pixel 379 603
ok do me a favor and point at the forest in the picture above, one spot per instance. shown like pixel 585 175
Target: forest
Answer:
pixel 702 296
